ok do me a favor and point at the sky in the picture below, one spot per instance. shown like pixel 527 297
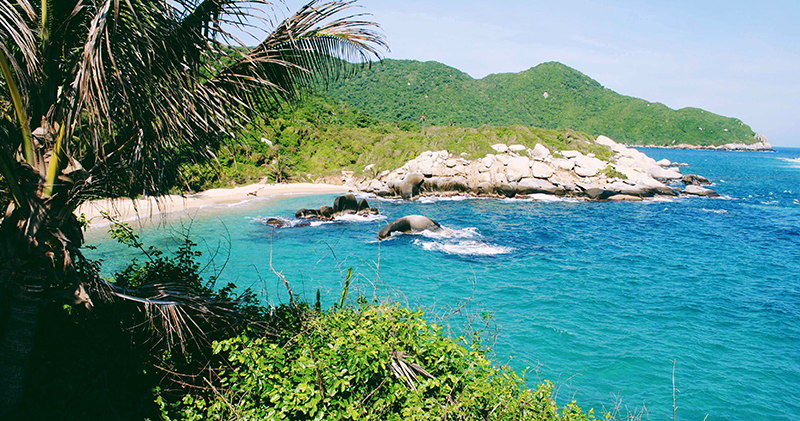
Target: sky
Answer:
pixel 735 58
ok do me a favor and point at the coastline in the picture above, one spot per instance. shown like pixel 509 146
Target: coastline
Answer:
pixel 144 210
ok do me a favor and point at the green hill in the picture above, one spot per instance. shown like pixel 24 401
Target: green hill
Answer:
pixel 550 96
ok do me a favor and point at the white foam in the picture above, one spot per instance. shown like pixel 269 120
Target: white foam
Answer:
pixel 465 247
pixel 717 211
pixel 791 160
pixel 450 233
pixel 434 199
pixel 360 218
pixel 542 197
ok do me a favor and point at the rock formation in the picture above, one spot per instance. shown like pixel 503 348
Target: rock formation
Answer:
pixel 515 170
pixel 407 224
pixel 343 205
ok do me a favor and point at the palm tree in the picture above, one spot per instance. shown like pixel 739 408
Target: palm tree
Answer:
pixel 100 97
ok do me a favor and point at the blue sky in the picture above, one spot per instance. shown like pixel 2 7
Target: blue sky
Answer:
pixel 735 58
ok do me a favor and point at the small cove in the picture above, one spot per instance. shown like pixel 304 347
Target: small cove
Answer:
pixel 598 296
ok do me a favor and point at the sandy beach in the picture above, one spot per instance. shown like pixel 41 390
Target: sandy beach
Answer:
pixel 145 209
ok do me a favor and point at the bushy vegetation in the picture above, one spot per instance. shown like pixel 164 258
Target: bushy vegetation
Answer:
pixel 550 95
pixel 367 361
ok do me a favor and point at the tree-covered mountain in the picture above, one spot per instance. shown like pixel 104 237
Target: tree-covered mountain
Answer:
pixel 550 95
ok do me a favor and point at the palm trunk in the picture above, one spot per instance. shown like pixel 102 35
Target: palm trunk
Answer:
pixel 16 342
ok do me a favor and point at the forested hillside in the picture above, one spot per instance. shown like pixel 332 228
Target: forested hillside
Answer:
pixel 550 95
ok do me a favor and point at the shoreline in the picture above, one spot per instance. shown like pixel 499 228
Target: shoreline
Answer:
pixel 144 210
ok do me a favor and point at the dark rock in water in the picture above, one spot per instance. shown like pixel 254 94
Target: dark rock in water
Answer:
pixel 410 223
pixel 362 206
pixel 325 212
pixel 306 214
pixel 275 222
pixel 302 224
pixel 345 204
pixel 695 180
pixel 597 193
pixel 506 190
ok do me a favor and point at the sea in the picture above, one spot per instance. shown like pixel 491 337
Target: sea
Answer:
pixel 689 304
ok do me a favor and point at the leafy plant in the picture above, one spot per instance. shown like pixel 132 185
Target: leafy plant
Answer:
pixel 366 361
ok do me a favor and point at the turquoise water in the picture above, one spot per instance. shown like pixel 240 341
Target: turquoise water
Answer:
pixel 598 296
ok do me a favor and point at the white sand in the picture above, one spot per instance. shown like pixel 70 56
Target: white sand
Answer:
pixel 146 209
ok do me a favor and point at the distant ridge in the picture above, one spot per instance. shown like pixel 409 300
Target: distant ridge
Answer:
pixel 550 95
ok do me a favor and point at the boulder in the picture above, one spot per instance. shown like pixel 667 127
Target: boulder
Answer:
pixel 345 204
pixel 325 212
pixel 694 179
pixel 625 198
pixel 409 187
pixel 516 148
pixel 506 189
pixel 484 188
pixel 540 152
pixel 699 191
pixel 542 170
pixel 306 213
pixel 597 193
pixel 500 147
pixel 564 164
pixel 518 167
pixel 533 185
pixel 275 222
pixel 586 166
pixel 408 224
pixel 665 173
pixel 570 154
pixel 362 206
pixel 664 162
pixel 625 189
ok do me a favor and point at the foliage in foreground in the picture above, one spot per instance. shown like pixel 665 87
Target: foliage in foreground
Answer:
pixel 366 361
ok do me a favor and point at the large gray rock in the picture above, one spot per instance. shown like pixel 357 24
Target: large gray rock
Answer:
pixel 586 166
pixel 564 164
pixel 534 185
pixel 408 224
pixel 629 190
pixel 665 173
pixel 409 188
pixel 516 148
pixel 540 152
pixel 518 167
pixel 542 170
pixel 700 191
pixel 694 179
pixel 345 204
pixel 500 147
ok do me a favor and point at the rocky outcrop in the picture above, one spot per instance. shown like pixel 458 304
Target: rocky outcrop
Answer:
pixel 343 205
pixel 517 171
pixel 760 145
pixel 408 224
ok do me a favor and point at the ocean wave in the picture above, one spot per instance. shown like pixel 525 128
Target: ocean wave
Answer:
pixel 717 211
pixel 791 160
pixel 464 247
